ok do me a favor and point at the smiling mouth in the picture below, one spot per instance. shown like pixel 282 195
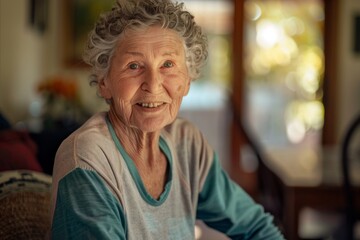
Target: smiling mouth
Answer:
pixel 150 105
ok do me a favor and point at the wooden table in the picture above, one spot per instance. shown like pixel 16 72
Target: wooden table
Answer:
pixel 309 178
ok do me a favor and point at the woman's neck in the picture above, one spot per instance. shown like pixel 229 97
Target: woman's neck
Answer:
pixel 142 147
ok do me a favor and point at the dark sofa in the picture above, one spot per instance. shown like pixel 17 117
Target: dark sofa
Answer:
pixel 22 149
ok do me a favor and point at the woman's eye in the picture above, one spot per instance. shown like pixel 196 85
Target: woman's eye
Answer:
pixel 134 66
pixel 168 64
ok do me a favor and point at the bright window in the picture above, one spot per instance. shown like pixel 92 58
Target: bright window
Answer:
pixel 284 66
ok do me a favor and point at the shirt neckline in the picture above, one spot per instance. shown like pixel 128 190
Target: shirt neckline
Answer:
pixel 134 172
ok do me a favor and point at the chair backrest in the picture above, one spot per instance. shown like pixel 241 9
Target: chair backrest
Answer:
pixel 350 153
pixel 271 194
pixel 24 204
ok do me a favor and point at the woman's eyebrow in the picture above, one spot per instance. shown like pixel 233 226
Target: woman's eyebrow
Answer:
pixel 165 53
pixel 170 53
pixel 134 53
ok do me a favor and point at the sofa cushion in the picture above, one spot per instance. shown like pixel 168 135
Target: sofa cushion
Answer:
pixel 18 151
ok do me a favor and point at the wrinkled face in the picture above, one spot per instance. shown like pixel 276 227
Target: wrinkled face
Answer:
pixel 147 79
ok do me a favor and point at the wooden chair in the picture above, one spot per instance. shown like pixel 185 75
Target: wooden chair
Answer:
pixel 269 186
pixel 350 153
pixel 24 204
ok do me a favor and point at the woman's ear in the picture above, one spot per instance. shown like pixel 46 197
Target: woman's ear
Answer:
pixel 104 89
pixel 187 87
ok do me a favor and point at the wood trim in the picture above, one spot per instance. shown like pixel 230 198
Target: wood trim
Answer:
pixel 248 181
pixel 238 63
pixel 237 88
pixel 330 85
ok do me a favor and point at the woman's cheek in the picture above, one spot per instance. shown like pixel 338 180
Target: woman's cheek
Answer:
pixel 123 110
pixel 179 88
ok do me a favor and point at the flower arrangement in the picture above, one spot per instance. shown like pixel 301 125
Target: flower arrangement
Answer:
pixel 62 105
pixel 59 87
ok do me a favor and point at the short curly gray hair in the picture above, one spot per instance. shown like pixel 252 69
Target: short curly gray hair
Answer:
pixel 137 14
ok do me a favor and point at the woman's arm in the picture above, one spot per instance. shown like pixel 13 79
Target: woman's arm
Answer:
pixel 86 209
pixel 224 206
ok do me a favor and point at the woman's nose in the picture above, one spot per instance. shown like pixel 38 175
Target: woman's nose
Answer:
pixel 152 82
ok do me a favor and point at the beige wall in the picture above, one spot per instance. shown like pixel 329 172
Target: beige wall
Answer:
pixel 21 59
pixel 26 57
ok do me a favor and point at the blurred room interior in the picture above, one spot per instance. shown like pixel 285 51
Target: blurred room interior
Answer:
pixel 284 73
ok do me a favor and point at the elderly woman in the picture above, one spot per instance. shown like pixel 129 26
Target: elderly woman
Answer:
pixel 136 171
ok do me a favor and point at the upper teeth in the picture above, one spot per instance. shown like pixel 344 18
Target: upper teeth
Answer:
pixel 150 105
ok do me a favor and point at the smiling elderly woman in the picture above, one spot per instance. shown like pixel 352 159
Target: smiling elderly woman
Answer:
pixel 136 171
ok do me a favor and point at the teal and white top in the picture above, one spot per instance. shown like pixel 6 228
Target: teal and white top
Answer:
pixel 97 192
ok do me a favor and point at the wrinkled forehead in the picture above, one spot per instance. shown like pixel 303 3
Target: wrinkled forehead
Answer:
pixel 154 36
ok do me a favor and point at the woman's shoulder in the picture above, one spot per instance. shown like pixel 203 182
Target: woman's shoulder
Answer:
pixel 93 128
pixel 89 147
pixel 182 128
pixel 87 140
pixel 185 134
pixel 192 152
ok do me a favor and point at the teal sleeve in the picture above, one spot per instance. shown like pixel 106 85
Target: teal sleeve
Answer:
pixel 226 207
pixel 86 209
